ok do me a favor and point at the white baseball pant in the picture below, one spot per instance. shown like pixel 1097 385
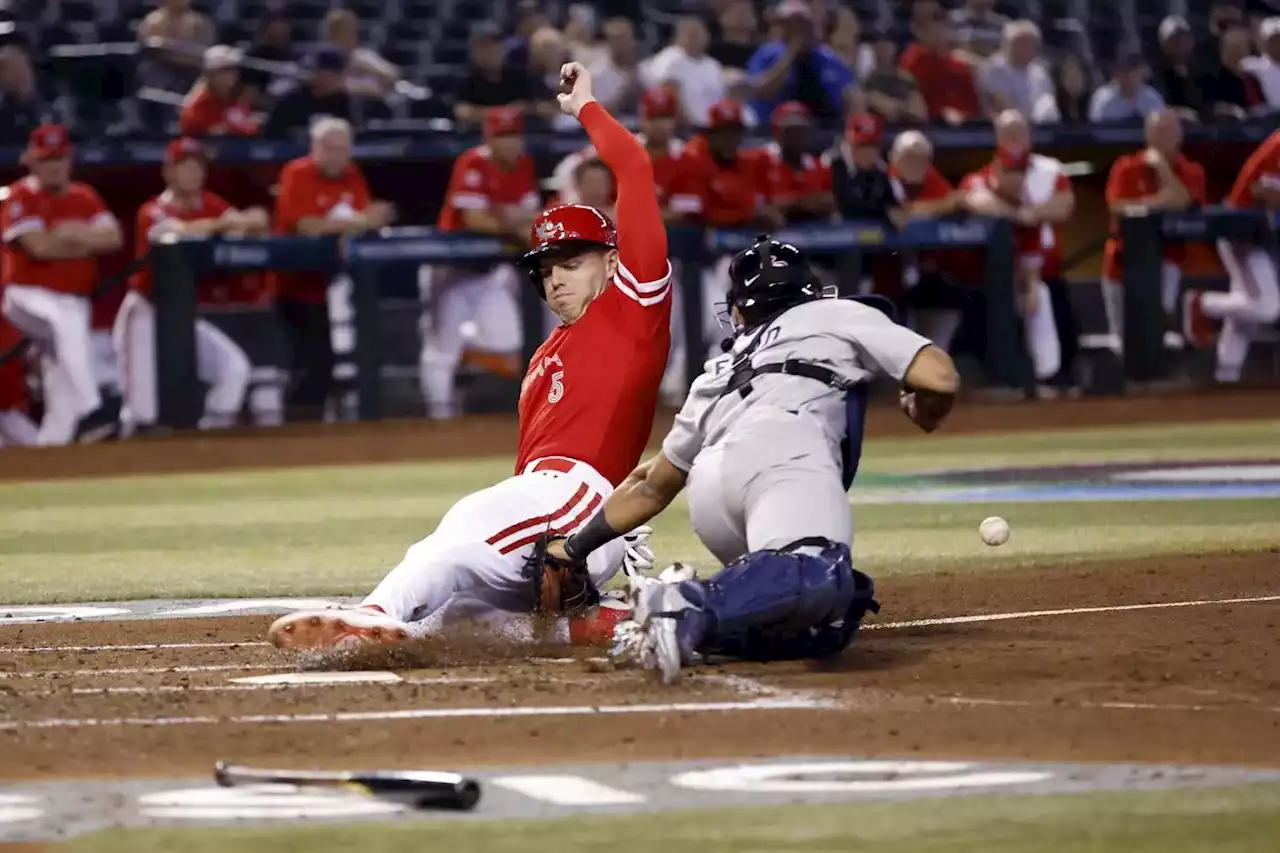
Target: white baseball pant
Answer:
pixel 1039 328
pixel 1251 305
pixel 59 323
pixel 220 363
pixel 481 311
pixel 472 565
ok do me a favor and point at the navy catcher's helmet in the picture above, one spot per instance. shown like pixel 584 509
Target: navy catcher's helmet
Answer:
pixel 770 277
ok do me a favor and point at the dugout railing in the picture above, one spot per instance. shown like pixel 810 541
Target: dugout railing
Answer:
pixel 367 260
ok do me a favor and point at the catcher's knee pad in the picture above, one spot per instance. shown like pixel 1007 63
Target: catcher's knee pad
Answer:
pixel 804 600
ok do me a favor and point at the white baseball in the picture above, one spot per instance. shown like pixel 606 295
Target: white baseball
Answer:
pixel 994 530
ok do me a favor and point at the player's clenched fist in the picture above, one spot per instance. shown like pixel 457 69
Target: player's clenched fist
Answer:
pixel 575 88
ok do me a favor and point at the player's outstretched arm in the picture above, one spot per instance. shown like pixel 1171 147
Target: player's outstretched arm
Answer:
pixel 930 386
pixel 642 236
pixel 646 492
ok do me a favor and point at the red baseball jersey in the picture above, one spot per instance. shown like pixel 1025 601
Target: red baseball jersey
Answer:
pixel 478 183
pixel 1263 166
pixel 719 195
pixel 160 212
pixel 784 183
pixel 305 191
pixel 1131 179
pixel 30 208
pixel 203 114
pixel 592 387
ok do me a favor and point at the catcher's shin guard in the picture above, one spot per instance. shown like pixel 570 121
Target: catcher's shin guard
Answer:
pixel 804 600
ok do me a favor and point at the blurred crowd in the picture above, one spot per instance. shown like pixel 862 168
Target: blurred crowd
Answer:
pixel 929 63
pixel 803 75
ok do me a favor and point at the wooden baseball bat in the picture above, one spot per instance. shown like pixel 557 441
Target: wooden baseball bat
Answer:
pixel 420 789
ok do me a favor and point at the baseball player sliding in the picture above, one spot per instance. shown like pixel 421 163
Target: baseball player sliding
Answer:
pixel 586 408
pixel 768 443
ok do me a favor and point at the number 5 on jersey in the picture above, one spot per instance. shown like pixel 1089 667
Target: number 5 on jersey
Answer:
pixel 557 387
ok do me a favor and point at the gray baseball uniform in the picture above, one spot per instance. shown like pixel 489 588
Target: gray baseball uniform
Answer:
pixel 765 469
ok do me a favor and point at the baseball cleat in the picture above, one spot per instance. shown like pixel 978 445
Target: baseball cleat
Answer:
pixel 649 639
pixel 336 628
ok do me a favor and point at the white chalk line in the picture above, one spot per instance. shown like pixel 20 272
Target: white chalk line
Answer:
pixel 165 689
pixel 138 670
pixel 1067 611
pixel 874 626
pixel 1108 706
pixel 427 714
pixel 128 647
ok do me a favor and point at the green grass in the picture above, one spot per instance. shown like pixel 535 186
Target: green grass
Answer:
pixel 1224 820
pixel 336 531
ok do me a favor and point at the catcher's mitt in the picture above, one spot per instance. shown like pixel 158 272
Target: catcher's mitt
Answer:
pixel 561 587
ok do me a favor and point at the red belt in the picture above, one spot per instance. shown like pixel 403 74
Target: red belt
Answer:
pixel 560 466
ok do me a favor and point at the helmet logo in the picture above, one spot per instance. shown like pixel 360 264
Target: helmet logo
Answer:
pixel 548 230
pixel 775 262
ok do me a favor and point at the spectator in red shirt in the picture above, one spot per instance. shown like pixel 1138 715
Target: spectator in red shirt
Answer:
pixel 216 105
pixel 946 82
pixel 797 183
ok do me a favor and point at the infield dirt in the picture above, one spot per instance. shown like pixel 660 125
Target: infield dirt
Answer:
pixel 1196 684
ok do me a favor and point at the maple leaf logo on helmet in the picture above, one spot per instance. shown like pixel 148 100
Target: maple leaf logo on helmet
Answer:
pixel 549 230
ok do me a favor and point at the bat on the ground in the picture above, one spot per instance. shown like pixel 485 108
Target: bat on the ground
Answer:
pixel 420 789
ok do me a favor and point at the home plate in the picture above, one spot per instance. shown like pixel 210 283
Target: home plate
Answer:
pixel 321 678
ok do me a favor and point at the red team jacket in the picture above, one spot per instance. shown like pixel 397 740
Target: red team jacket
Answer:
pixel 160 210
pixel 30 208
pixel 592 387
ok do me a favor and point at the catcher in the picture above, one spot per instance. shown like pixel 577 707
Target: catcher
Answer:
pixel 769 442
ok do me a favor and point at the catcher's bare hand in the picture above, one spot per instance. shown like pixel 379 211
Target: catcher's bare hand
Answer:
pixel 926 409
pixel 575 88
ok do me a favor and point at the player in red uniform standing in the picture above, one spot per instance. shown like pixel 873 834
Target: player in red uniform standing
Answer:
pixel 493 190
pixel 186 209
pixel 797 183
pixel 1253 303
pixel 54 229
pixel 1035 193
pixel 722 185
pixel 586 409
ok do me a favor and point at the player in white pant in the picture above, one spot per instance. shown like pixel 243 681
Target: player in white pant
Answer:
pixel 492 190
pixel 184 209
pixel 53 230
pixel 1035 193
pixel 586 409
pixel 1253 301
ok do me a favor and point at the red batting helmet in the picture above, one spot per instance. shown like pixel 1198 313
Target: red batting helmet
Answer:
pixel 566 230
